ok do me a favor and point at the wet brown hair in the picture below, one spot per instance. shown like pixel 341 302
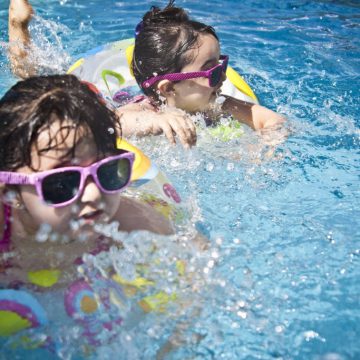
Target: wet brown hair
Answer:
pixel 33 105
pixel 162 42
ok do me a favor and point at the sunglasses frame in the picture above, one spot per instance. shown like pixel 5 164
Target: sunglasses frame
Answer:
pixel 189 75
pixel 36 179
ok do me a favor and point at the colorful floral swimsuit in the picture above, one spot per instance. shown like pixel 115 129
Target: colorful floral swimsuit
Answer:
pixel 29 306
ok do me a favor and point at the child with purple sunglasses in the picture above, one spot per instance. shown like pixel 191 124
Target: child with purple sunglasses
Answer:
pixel 137 120
pixel 178 60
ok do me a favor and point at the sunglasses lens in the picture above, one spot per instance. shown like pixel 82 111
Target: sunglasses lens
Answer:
pixel 114 175
pixel 216 75
pixel 60 187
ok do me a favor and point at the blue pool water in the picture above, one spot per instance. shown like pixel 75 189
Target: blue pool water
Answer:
pixel 283 221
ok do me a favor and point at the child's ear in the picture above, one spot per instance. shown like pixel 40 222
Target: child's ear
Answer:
pixel 11 197
pixel 166 88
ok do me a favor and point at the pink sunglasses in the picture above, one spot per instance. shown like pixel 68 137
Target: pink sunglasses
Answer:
pixel 62 186
pixel 214 74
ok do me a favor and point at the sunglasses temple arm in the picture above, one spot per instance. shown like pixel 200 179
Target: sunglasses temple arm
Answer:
pixel 11 178
pixel 175 77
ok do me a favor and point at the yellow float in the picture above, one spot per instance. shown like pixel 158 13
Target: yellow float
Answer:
pixel 108 67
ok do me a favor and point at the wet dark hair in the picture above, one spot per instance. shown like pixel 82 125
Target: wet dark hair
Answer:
pixel 33 105
pixel 163 40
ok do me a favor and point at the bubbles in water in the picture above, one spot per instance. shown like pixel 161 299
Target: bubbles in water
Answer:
pixel 209 166
pixel 54 236
pixel 220 100
pixel 74 224
pixel 199 119
pixel 219 241
pixel 310 335
pixel 43 233
pixel 10 196
pixel 230 166
pixel 47 50
pixel 242 314
pixel 206 270
pixel 279 329
pixel 110 230
pixel 82 26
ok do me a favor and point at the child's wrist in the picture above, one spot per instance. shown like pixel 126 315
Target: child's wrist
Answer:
pixel 19 24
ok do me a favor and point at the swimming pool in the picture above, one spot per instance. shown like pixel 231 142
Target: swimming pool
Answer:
pixel 284 223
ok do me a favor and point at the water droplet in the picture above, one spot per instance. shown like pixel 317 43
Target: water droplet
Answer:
pixel 230 167
pixel 279 329
pixel 220 100
pixel 242 314
pixel 209 166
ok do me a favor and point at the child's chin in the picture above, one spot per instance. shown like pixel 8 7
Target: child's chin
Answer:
pixel 205 107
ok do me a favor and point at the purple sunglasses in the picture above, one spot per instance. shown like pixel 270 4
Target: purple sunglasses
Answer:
pixel 62 186
pixel 214 74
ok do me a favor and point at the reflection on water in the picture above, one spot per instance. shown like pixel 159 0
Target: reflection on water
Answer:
pixel 280 278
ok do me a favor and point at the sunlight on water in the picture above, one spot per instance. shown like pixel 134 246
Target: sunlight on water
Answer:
pixel 279 279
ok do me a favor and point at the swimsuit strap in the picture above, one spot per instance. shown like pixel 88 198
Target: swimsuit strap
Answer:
pixel 5 241
pixel 123 98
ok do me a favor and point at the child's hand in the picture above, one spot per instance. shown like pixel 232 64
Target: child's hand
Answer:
pixel 20 12
pixel 171 122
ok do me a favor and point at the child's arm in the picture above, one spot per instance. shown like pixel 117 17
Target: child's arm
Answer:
pixel 20 13
pixel 135 215
pixel 256 116
pixel 139 120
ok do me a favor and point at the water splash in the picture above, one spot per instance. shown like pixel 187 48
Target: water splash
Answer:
pixel 47 51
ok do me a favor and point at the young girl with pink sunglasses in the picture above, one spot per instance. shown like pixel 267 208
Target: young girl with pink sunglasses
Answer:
pixel 61 179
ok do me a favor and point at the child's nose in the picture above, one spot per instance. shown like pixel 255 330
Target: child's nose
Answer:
pixel 91 192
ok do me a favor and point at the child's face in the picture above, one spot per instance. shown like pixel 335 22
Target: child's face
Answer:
pixel 91 207
pixel 195 95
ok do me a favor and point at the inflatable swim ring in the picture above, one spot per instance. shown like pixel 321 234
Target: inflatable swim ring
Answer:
pixel 150 185
pixel 107 67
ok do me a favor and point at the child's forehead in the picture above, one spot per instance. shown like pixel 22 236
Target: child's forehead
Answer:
pixel 208 48
pixel 62 140
pixel 208 44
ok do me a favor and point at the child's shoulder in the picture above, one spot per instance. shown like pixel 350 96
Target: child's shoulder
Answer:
pixel 138 102
pixel 134 214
